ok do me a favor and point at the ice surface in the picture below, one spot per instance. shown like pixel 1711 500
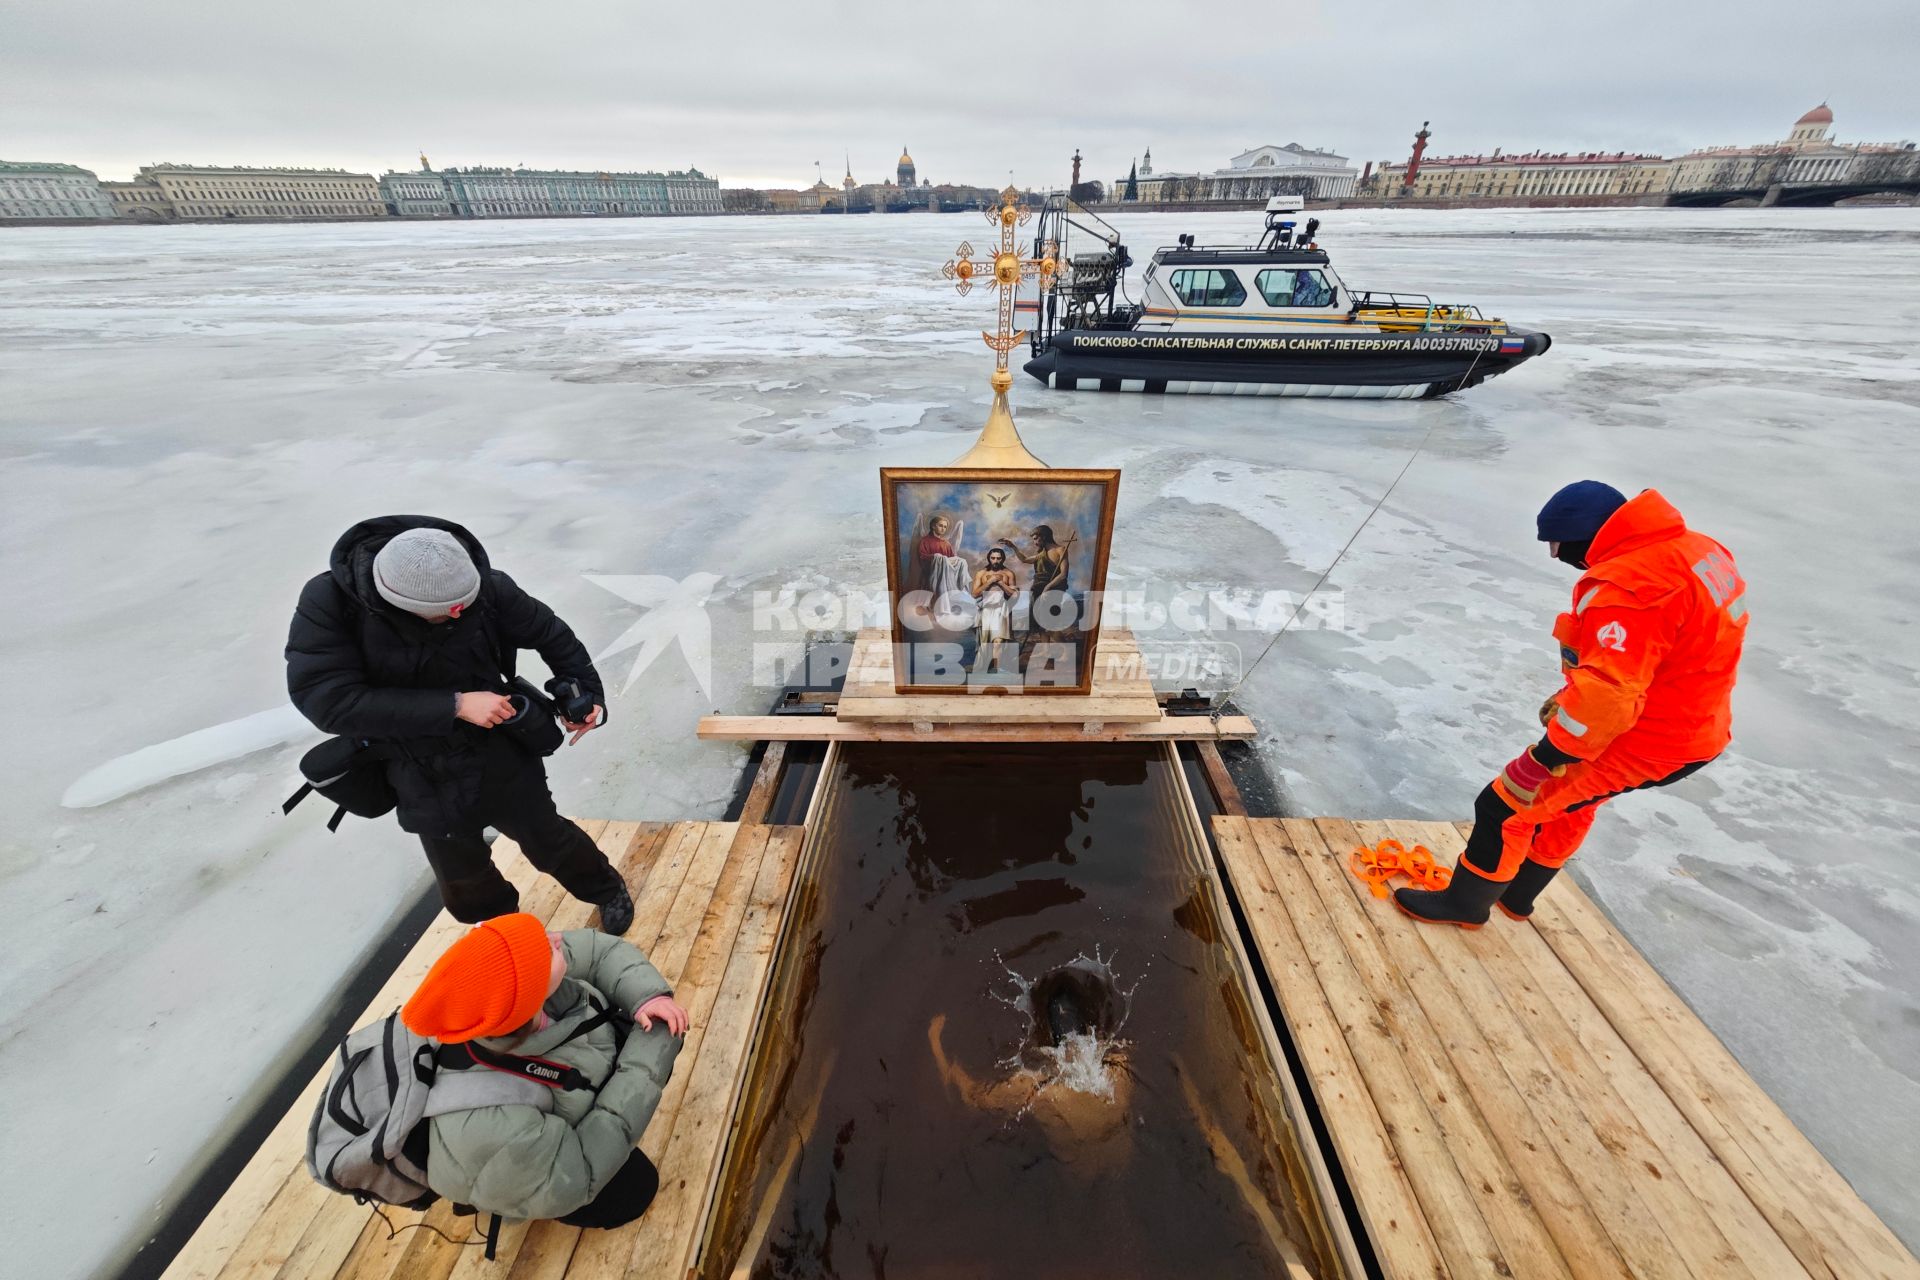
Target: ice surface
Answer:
pixel 643 416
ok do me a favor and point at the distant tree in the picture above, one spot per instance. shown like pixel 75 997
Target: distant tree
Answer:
pixel 1133 182
pixel 1886 166
pixel 1087 193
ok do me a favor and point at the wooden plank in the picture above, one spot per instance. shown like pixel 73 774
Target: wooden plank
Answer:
pixel 1718 1196
pixel 253 1229
pixel 1303 1168
pixel 690 1166
pixel 1118 691
pixel 433 1250
pixel 1540 1081
pixel 704 873
pixel 668 1235
pixel 1697 1202
pixel 1512 1214
pixel 766 784
pixel 1696 1237
pixel 669 872
pixel 1396 1225
pixel 1007 708
pixel 1454 1214
pixel 1819 1216
pixel 1225 793
pixel 544 1252
pixel 829 729
pixel 699 988
pixel 1582 1241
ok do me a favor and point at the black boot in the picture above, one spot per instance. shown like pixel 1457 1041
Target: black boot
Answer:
pixel 616 913
pixel 1525 886
pixel 1466 901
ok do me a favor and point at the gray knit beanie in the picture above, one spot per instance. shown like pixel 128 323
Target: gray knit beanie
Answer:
pixel 426 571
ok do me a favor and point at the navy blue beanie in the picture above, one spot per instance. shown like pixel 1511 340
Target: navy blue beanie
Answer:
pixel 1576 513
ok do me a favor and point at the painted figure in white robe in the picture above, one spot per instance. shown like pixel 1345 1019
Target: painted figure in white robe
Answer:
pixel 993 591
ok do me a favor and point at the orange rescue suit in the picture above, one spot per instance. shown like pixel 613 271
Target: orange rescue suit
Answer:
pixel 1652 643
pixel 1649 652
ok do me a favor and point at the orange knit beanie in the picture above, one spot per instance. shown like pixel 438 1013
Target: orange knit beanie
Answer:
pixel 490 982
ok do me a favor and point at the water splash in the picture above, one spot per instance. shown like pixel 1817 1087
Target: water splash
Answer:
pixel 1073 1016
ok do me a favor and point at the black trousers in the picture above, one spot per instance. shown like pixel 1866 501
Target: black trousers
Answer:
pixel 624 1198
pixel 515 800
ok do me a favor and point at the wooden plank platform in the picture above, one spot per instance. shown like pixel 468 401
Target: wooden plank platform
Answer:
pixel 709 900
pixel 1121 708
pixel 1120 692
pixel 1529 1100
pixel 829 729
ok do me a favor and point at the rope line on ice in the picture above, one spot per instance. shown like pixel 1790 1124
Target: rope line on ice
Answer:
pixel 1220 706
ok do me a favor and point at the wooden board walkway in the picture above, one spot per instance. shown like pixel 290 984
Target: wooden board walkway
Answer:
pixel 1529 1100
pixel 1122 707
pixel 709 900
pixel 1120 691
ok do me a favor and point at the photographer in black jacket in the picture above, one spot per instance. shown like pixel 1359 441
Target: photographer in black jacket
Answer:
pixel 409 643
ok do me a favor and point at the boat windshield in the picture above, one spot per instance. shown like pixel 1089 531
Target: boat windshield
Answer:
pixel 1294 287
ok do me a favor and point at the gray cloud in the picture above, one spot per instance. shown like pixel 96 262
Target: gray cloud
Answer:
pixel 756 92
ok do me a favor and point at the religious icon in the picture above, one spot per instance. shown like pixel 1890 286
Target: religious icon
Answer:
pixel 996 575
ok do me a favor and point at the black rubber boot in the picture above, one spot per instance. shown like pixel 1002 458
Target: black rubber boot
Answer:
pixel 1517 901
pixel 1466 901
pixel 616 913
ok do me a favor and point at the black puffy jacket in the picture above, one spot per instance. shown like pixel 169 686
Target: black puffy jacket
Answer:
pixel 359 667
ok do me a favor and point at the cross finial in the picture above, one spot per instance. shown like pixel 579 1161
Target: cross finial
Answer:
pixel 1010 266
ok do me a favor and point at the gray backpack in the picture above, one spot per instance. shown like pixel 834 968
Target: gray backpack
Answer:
pixel 368 1136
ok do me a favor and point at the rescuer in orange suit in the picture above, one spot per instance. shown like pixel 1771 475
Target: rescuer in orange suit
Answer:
pixel 1648 651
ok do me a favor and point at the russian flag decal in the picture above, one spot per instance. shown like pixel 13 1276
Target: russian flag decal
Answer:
pixel 1512 346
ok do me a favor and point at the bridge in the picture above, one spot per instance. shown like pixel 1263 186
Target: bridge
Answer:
pixel 1802 193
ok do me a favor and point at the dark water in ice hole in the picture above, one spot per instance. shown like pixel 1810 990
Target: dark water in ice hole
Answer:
pixel 945 868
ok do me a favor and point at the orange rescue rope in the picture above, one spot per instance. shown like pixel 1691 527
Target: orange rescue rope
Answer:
pixel 1390 858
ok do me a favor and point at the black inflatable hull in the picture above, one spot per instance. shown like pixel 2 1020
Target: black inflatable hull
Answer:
pixel 1391 366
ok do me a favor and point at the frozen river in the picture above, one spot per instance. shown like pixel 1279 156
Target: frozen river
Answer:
pixel 648 422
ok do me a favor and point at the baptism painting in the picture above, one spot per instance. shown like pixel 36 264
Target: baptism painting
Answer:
pixel 996 576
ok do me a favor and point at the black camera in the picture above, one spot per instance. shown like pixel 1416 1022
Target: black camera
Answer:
pixel 571 699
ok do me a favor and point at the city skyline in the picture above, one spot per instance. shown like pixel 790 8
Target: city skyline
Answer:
pixel 757 94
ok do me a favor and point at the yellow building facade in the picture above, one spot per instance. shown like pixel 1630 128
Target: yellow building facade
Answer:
pixel 1540 175
pixel 196 191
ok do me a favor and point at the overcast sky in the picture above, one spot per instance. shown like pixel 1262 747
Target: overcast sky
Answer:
pixel 756 92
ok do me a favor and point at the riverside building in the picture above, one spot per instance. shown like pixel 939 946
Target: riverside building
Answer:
pixel 1808 153
pixel 249 194
pixel 50 192
pixel 531 193
pixel 416 195
pixel 1535 174
pixel 1256 174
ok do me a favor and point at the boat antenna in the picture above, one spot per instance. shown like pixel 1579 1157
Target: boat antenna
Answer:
pixel 1220 705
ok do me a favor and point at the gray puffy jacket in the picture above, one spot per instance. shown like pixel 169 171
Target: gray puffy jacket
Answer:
pixel 523 1162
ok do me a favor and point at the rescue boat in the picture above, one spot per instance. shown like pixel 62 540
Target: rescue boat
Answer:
pixel 1271 319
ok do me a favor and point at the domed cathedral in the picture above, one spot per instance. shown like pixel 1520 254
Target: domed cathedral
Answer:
pixel 1810 130
pixel 905 173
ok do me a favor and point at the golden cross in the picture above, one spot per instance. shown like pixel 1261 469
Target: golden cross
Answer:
pixel 1009 266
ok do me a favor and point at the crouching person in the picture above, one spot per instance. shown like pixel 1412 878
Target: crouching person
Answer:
pixel 587 1017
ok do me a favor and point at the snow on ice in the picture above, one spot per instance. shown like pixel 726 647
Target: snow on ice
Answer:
pixel 647 416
